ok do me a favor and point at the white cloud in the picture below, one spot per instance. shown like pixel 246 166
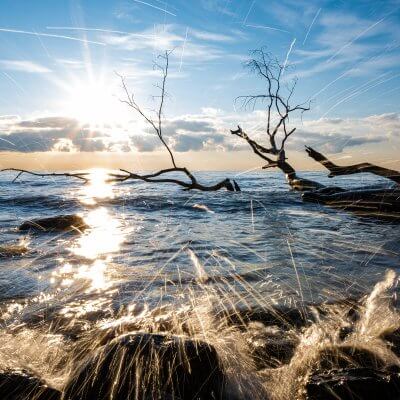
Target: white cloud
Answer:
pixel 24 66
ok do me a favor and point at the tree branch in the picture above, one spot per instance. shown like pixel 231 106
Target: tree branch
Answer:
pixel 80 175
pixel 336 170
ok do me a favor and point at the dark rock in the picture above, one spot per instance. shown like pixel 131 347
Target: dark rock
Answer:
pixel 21 385
pixel 348 357
pixel 57 223
pixel 393 339
pixel 148 366
pixel 354 384
pixel 270 347
pixel 384 202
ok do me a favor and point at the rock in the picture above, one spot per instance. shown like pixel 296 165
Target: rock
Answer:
pixel 12 250
pixel 383 202
pixel 350 373
pixel 270 346
pixel 56 223
pixel 148 366
pixel 352 384
pixel 348 357
pixel 22 385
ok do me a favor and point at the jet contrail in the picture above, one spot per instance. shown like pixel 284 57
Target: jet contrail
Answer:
pixel 287 55
pixel 312 23
pixel 71 28
pixel 10 78
pixel 266 27
pixel 183 49
pixel 50 35
pixel 153 6
pixel 248 13
pixel 356 38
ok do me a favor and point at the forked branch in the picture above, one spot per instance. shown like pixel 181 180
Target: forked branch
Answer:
pixel 337 170
pixel 80 175
pixel 156 123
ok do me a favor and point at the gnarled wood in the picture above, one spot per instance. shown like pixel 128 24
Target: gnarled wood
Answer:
pixel 337 170
pixel 157 124
pixel 230 185
pixel 80 175
pixel 293 180
pixel 277 131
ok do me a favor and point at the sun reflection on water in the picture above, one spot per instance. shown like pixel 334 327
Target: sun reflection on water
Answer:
pixel 97 187
pixel 96 246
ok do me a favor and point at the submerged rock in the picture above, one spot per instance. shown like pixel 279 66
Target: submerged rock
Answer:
pixel 149 366
pixel 350 373
pixel 56 223
pixel 13 250
pixel 384 202
pixel 270 346
pixel 22 385
pixel 354 383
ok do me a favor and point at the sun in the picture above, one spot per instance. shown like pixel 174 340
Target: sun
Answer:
pixel 95 103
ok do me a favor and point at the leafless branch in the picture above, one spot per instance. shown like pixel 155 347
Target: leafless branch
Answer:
pixel 276 99
pixel 157 124
pixel 336 170
pixel 79 175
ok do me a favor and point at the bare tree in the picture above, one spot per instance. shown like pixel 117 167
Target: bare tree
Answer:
pixel 277 102
pixel 78 175
pixel 156 123
pixel 337 170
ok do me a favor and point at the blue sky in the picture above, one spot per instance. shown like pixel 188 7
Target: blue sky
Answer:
pixel 57 56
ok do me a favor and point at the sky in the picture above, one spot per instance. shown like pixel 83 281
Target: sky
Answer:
pixel 61 97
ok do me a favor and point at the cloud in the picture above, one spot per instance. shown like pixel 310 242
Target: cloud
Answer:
pixel 197 44
pixel 53 134
pixel 206 131
pixel 24 66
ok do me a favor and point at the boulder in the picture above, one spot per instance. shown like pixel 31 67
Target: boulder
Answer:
pixel 354 384
pixel 22 385
pixel 56 223
pixel 148 366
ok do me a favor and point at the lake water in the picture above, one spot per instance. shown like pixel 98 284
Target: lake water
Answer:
pixel 153 250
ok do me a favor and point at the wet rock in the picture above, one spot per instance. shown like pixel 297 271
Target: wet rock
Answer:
pixel 270 347
pixel 348 357
pixel 56 223
pixel 354 384
pixel 22 385
pixel 148 366
pixel 12 250
pixel 393 339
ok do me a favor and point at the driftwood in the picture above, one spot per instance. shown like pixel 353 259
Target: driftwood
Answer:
pixel 278 111
pixel 79 175
pixel 156 124
pixel 382 202
pixel 228 184
pixel 337 170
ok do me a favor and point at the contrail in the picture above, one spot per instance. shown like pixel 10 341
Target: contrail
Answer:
pixel 71 28
pixel 267 27
pixel 248 13
pixel 155 7
pixel 14 82
pixel 356 38
pixel 288 54
pixel 7 141
pixel 183 49
pixel 312 23
pixel 50 35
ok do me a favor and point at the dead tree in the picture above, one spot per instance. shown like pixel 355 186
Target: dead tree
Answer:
pixel 156 123
pixel 337 170
pixel 83 176
pixel 277 102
